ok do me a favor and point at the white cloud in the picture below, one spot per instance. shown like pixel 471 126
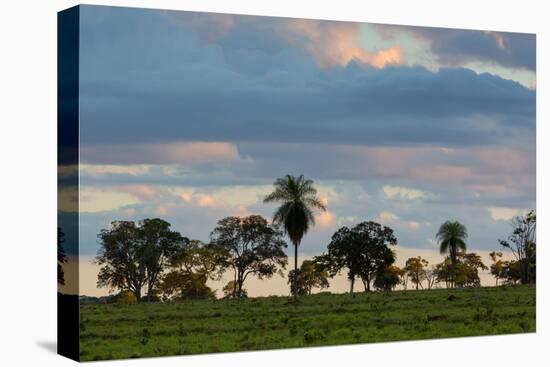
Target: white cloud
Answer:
pixel 500 213
pixel 404 193
pixel 386 217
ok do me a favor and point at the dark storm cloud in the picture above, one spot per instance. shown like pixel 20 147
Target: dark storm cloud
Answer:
pixel 455 47
pixel 145 71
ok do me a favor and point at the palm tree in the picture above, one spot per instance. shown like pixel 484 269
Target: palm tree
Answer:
pixel 451 237
pixel 298 199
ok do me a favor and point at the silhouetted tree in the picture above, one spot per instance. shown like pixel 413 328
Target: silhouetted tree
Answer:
pixel 61 256
pixel 452 239
pixel 133 256
pixel 362 249
pixel 522 243
pixel 298 199
pixel 252 246
pixel 160 244
pixel 386 279
pixel 191 267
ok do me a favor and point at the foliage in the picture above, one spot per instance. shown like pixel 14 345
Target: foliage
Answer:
pixel 126 297
pixel 133 256
pixel 252 246
pixel 415 268
pixel 386 279
pixel 181 285
pixel 192 266
pixel 522 243
pixel 298 199
pixel 230 290
pixel 452 237
pixel 362 250
pixel 61 256
pixel 463 273
pixel 310 275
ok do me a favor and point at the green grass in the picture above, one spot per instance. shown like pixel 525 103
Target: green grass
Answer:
pixel 146 330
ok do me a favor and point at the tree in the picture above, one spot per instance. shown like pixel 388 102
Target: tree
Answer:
pixel 386 279
pixel 229 290
pixel 252 247
pixel 452 239
pixel 132 256
pixel 415 268
pixel 61 256
pixel 159 244
pixel 310 275
pixel 298 199
pixel 463 273
pixel 191 267
pixel 431 276
pixel 497 267
pixel 362 249
pixel 177 285
pixel 522 244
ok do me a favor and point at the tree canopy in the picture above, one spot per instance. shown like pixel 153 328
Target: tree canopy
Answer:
pixel 522 244
pixel 362 250
pixel 133 256
pixel 310 275
pixel 253 247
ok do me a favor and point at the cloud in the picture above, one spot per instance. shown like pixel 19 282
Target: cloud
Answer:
pixel 504 214
pixel 386 217
pixel 456 47
pixel 337 43
pixel 250 84
pixel 325 219
pixel 108 156
pixel 398 192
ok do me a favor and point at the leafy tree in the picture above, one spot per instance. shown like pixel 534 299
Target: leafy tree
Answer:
pixel 362 249
pixel 522 244
pixel 229 290
pixel 498 266
pixel 298 199
pixel 179 285
pixel 159 244
pixel 61 256
pixel 191 267
pixel 132 256
pixel 463 273
pixel 452 239
pixel 310 275
pixel 511 272
pixel 126 297
pixel 252 247
pixel 386 279
pixel 415 268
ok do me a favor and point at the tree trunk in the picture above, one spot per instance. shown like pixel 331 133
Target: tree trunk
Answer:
pixel 295 268
pixel 137 293
pixel 352 281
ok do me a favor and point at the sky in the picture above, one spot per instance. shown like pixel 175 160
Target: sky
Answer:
pixel 191 117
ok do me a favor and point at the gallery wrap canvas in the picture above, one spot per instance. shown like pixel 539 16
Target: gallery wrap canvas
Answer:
pixel 232 183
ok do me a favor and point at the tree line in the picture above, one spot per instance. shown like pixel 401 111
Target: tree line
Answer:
pixel 149 256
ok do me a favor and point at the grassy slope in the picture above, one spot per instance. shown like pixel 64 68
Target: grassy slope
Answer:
pixel 125 331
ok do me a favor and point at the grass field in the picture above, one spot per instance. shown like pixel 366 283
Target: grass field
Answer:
pixel 128 331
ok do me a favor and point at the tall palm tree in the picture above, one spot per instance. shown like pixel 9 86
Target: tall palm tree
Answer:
pixel 452 238
pixel 298 200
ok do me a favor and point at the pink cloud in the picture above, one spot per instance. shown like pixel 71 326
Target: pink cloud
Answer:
pixel 337 44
